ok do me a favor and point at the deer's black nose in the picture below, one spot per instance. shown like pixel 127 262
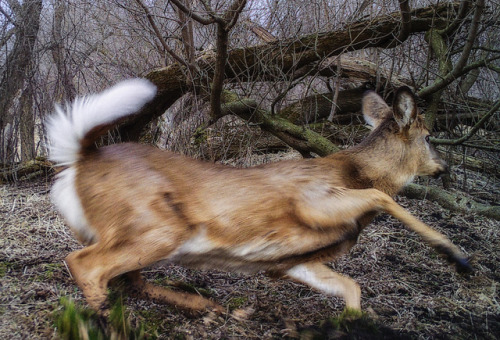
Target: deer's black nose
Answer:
pixel 444 169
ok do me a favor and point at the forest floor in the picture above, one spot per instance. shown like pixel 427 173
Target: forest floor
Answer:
pixel 408 291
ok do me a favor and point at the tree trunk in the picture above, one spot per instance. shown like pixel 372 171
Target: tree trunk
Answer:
pixel 440 49
pixel 17 63
pixel 66 90
pixel 27 125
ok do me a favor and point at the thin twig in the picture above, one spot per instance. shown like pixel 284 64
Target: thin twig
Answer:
pixel 337 90
pixel 8 17
pixel 472 131
pixel 159 36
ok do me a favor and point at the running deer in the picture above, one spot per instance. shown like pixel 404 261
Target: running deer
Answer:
pixel 134 205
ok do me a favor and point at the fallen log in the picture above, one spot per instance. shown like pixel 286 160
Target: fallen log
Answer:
pixel 451 201
pixel 25 171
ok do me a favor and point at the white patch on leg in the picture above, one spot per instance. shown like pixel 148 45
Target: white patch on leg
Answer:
pixel 194 251
pixel 303 274
pixel 65 198
pixel 198 244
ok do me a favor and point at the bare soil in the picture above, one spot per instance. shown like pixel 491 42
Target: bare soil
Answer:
pixel 407 290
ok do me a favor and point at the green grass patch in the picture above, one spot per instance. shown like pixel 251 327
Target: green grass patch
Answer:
pixel 74 323
pixel 237 302
pixel 49 271
pixel 4 268
pixel 154 322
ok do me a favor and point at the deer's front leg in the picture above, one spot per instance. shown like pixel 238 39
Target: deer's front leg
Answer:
pixel 324 208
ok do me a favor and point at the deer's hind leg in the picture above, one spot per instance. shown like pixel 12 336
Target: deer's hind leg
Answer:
pixel 186 301
pixel 320 277
pixel 94 266
pixel 90 277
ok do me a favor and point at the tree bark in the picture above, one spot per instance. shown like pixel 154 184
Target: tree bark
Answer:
pixel 27 125
pixel 65 87
pixel 440 49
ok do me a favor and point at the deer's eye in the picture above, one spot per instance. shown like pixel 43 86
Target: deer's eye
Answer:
pixel 428 138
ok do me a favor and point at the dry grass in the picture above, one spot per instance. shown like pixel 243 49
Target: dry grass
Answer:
pixel 407 289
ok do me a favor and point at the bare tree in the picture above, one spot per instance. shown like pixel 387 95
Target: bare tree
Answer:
pixel 23 20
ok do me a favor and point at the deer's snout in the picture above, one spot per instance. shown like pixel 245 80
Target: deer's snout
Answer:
pixel 442 169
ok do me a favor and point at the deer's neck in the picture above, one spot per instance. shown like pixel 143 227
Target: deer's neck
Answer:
pixel 378 168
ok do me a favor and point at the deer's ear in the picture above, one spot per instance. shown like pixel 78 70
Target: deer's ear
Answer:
pixel 404 107
pixel 374 108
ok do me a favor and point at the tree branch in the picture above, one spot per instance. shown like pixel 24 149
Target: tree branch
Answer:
pixel 191 14
pixel 404 32
pixel 232 14
pixel 211 12
pixel 472 131
pixel 462 13
pixel 482 147
pixel 453 202
pixel 481 63
pixel 298 137
pixel 7 36
pixel 187 36
pixel 223 29
pixel 8 17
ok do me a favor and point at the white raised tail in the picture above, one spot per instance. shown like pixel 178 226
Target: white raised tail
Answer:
pixel 69 132
pixel 68 127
